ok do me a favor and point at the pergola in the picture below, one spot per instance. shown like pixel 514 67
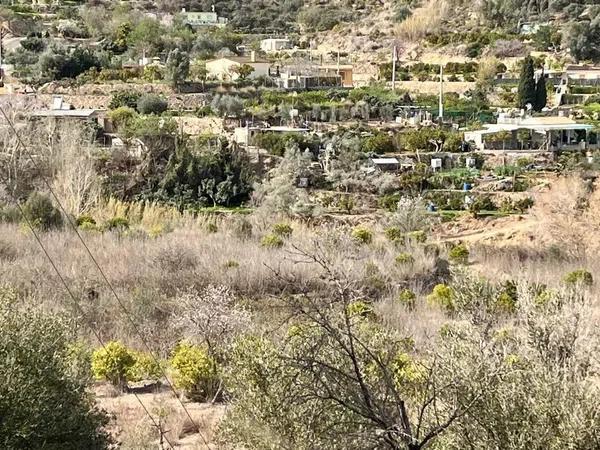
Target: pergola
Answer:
pixel 534 136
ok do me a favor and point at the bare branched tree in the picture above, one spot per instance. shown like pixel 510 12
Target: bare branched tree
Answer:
pixel 74 175
pixel 344 381
pixel 63 154
pixel 210 316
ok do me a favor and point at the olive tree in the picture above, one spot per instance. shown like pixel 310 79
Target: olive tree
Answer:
pixel 44 399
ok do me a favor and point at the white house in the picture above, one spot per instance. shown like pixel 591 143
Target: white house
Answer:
pixel 224 68
pixel 533 133
pixel 306 74
pixel 275 45
pixel 582 72
pixel 203 19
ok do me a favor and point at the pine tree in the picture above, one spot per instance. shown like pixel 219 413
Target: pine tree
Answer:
pixel 527 88
pixel 541 95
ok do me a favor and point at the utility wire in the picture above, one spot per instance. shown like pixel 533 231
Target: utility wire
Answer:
pixel 102 273
pixel 70 292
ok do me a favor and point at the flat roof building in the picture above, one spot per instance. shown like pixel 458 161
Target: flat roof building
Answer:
pixel 272 45
pixel 203 19
pixel 533 133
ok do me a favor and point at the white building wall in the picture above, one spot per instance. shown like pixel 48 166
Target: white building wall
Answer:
pixel 274 45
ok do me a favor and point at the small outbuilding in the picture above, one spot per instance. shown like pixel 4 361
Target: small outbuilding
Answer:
pixel 386 164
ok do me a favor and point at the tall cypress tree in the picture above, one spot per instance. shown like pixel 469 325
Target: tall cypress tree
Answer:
pixel 527 88
pixel 541 95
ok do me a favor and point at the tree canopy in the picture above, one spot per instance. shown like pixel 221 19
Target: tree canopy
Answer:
pixel 44 402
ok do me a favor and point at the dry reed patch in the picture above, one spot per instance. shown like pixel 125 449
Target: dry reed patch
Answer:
pixel 567 216
pixel 422 323
pixel 148 272
pixel 424 20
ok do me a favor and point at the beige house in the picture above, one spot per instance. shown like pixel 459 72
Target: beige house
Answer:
pixel 343 70
pixel 582 72
pixel 224 69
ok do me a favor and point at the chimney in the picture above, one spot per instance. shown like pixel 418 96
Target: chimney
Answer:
pixel 253 56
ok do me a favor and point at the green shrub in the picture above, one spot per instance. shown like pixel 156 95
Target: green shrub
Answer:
pixel 113 362
pixel 195 372
pixel 543 297
pixel 378 143
pixel 417 236
pixel 152 104
pixel 41 212
pixel 507 298
pixel 394 234
pixel 402 13
pixel 271 241
pixel 360 309
pixel 346 203
pixel 85 219
pixel 404 259
pixel 283 229
pixel 389 202
pixel 459 254
pixel 10 214
pixel 362 235
pixel 44 394
pixel 524 204
pixel 443 296
pixel 231 264
pixel 323 17
pixel 122 117
pixel 127 99
pixel 145 367
pixel 484 203
pixel 580 277
pixel 88 226
pixel 406 372
pixel 117 223
pixel 407 298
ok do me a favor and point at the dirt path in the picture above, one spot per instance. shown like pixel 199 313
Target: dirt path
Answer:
pixel 509 230
pixel 133 428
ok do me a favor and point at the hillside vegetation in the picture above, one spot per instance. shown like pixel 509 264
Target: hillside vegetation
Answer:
pixel 208 241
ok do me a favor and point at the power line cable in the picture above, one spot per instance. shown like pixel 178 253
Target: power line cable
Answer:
pixel 102 273
pixel 63 281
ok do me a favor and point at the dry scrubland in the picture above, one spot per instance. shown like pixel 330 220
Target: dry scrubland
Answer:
pixel 165 253
pixel 150 263
pixel 265 299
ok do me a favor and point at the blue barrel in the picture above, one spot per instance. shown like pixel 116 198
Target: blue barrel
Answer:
pixel 467 186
